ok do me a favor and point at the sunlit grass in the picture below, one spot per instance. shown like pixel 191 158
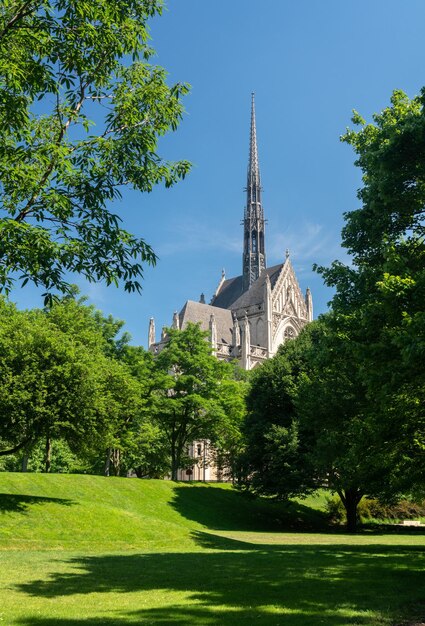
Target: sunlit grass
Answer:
pixel 88 551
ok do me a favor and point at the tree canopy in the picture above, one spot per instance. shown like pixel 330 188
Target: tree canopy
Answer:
pixel 81 112
pixel 380 298
pixel 349 409
pixel 59 382
pixel 190 399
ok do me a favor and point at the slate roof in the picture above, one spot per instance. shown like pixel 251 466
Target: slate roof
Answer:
pixel 231 297
pixel 197 312
pixel 230 291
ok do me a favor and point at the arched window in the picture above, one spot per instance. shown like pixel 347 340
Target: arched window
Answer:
pixel 289 333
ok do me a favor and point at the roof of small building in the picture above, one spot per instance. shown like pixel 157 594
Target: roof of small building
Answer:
pixel 197 312
pixel 230 295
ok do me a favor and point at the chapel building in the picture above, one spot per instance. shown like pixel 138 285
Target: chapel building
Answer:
pixel 251 315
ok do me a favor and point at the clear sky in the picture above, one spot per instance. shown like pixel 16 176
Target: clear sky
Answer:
pixel 309 62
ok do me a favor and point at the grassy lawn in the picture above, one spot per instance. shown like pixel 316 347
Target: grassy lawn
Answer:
pixel 86 551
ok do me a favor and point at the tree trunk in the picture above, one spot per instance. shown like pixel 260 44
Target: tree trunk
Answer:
pixel 116 461
pixel 350 499
pixel 107 466
pixel 48 455
pixel 24 464
pixel 174 462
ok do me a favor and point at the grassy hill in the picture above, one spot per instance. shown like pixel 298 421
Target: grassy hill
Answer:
pixel 67 511
pixel 93 551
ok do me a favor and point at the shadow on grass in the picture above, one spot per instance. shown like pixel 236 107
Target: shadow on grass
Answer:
pixel 295 585
pixel 18 503
pixel 228 509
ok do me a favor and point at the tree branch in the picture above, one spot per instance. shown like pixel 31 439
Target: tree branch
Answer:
pixel 16 448
pixel 26 9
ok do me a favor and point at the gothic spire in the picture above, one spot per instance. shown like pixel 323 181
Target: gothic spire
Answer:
pixel 253 178
pixel 254 257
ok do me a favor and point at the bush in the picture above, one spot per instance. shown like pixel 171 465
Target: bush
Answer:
pixel 370 509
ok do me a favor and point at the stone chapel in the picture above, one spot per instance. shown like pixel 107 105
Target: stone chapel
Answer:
pixel 251 315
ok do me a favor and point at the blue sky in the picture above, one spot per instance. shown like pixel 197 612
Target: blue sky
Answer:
pixel 309 63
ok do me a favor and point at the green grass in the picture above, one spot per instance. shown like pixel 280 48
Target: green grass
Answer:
pixel 91 551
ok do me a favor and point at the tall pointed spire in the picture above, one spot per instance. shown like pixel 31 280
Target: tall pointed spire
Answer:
pixel 253 182
pixel 254 257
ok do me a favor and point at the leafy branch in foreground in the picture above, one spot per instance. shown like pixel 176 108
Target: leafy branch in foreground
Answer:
pixel 67 66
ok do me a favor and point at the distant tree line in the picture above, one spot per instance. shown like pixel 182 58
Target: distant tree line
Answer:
pixel 76 396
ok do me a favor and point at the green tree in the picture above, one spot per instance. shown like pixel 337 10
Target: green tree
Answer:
pixel 379 298
pixel 58 382
pixel 334 416
pixel 50 385
pixel 188 402
pixel 141 439
pixel 126 384
pixel 274 461
pixel 81 112
pixel 228 440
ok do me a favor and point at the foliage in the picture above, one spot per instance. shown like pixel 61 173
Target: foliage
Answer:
pixel 333 408
pixel 140 439
pixel 34 460
pixel 67 67
pixel 192 396
pixel 380 297
pixel 372 510
pixel 274 463
pixel 228 440
pixel 49 386
pixel 58 383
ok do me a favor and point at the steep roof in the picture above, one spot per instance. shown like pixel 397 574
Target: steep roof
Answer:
pixel 230 290
pixel 197 312
pixel 231 297
pixel 255 294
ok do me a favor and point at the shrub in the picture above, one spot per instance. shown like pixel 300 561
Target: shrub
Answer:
pixel 370 509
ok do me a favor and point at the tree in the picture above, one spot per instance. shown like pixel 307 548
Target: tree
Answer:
pixel 58 383
pixel 228 439
pixel 274 459
pixel 188 401
pixel 353 416
pixel 142 440
pixel 309 422
pixel 334 418
pixel 50 385
pixel 67 66
pixel 383 292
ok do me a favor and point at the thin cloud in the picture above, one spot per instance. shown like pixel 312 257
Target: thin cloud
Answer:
pixel 310 243
pixel 192 236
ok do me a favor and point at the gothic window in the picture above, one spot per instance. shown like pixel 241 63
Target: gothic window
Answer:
pixel 260 332
pixel 289 333
pixel 254 241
